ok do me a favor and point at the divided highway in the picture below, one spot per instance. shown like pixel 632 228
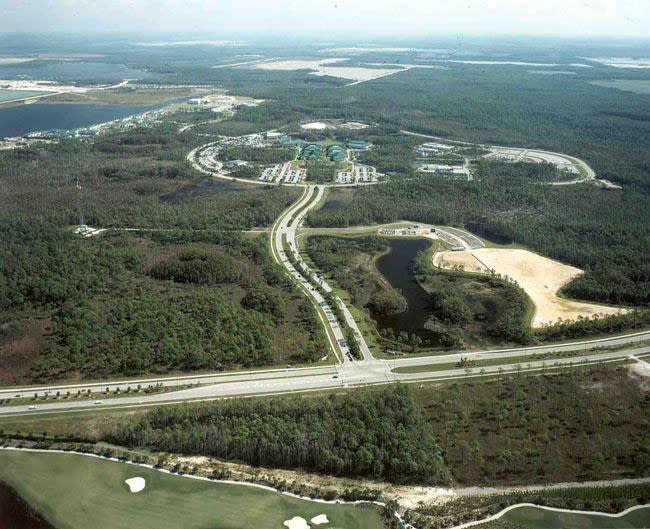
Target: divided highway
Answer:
pixel 345 374
pixel 348 372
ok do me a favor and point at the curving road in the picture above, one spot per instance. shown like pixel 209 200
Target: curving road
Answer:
pixel 347 372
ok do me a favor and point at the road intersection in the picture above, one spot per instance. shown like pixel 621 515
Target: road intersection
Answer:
pixel 346 373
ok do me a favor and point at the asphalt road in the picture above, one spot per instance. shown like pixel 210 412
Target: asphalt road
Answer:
pixel 348 373
pixel 351 374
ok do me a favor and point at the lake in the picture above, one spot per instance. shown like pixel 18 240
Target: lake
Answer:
pixel 10 95
pixel 21 119
pixel 397 267
pixel 16 514
pixel 66 71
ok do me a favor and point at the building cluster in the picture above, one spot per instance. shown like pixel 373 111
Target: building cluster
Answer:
pixel 288 141
pixel 431 148
pixel 456 171
pixel 223 102
pixel 283 173
pixel 335 153
pixel 208 158
pixel 532 156
pixel 310 151
pixel 249 140
pixel 357 145
pixel 8 144
pixel 357 174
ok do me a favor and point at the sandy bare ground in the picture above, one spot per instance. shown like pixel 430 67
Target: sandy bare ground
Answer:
pixel 328 67
pixel 408 496
pixel 316 125
pixel 539 276
pixel 464 260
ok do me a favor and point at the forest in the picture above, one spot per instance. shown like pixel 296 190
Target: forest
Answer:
pixel 131 179
pixel 519 429
pixel 377 434
pixel 129 304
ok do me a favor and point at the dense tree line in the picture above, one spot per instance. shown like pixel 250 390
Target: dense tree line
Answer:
pixel 506 430
pixel 262 155
pixel 198 267
pixel 377 434
pixel 108 318
pixel 348 262
pixel 151 187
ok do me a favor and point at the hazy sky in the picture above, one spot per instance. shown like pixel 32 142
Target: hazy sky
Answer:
pixel 334 17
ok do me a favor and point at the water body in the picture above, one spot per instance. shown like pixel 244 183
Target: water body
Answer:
pixel 21 119
pixel 10 95
pixel 397 267
pixel 202 187
pixel 15 513
pixel 54 70
pixel 338 199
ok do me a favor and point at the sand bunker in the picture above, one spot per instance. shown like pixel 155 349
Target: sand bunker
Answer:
pixel 135 484
pixel 320 519
pixel 296 523
pixel 539 276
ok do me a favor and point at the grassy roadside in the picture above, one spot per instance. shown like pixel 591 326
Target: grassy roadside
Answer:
pixel 471 364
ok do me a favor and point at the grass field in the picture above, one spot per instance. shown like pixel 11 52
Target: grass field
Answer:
pixel 535 518
pixel 74 491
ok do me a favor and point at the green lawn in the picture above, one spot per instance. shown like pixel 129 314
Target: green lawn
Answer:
pixel 74 491
pixel 535 518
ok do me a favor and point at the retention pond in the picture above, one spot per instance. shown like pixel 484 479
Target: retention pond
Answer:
pixel 397 267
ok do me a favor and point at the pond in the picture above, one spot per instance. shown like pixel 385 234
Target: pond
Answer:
pixel 21 119
pixel 338 199
pixel 16 514
pixel 397 267
pixel 202 187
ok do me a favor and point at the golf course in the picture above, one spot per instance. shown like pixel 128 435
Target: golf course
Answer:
pixel 73 491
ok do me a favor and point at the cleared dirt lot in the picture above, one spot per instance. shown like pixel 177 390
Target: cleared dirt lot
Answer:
pixel 539 276
pixel 328 67
pixel 465 260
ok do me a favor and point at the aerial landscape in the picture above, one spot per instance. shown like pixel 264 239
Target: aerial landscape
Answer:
pixel 333 265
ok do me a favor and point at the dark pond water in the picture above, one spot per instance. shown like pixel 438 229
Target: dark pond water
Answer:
pixel 338 199
pixel 334 205
pixel 21 119
pixel 16 514
pixel 201 188
pixel 397 267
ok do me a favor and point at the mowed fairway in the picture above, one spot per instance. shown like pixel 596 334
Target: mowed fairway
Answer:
pixel 74 491
pixel 535 518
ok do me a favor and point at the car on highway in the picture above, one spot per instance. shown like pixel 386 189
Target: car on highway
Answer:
pixel 99 402
pixel 32 407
